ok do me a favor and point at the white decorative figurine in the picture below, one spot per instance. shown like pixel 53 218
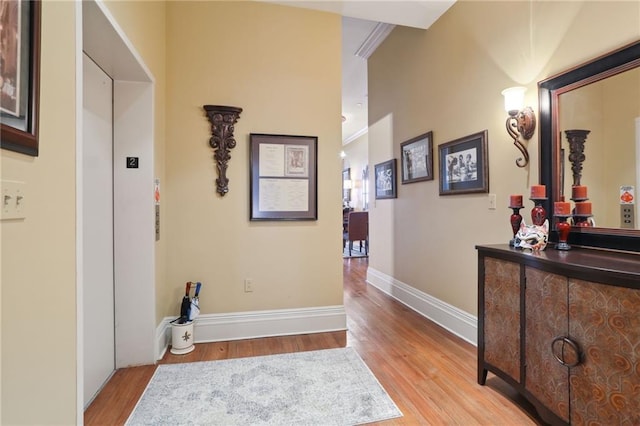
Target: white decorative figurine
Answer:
pixel 533 237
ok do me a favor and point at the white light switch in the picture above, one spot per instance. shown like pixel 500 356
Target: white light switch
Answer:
pixel 492 201
pixel 13 200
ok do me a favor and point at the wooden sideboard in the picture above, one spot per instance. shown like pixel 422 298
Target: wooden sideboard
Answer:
pixel 563 328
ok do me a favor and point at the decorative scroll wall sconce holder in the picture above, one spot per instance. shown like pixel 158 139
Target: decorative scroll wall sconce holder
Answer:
pixel 222 119
pixel 576 139
pixel 521 121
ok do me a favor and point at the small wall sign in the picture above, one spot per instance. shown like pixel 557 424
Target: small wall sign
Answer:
pixel 132 162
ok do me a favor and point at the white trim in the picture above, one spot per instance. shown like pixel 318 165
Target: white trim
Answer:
pixel 374 39
pixel 79 224
pixel 256 324
pixel 356 135
pixel 458 322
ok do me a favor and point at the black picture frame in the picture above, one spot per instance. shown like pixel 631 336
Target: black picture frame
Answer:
pixel 284 177
pixel 416 158
pixel 469 175
pixel 385 179
pixel 20 76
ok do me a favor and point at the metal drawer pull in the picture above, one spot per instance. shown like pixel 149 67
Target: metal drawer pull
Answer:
pixel 573 345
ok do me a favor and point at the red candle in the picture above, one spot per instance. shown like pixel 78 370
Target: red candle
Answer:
pixel 583 208
pixel 578 192
pixel 538 191
pixel 562 208
pixel 515 200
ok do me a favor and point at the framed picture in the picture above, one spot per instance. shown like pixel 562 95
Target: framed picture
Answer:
pixel 284 177
pixel 416 158
pixel 19 75
pixel 464 166
pixel 346 185
pixel 385 179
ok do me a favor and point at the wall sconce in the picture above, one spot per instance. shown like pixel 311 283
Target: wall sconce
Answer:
pixel 521 121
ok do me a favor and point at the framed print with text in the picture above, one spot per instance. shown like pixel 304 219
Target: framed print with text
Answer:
pixel 284 177
pixel 416 158
pixel 19 75
pixel 385 179
pixel 464 165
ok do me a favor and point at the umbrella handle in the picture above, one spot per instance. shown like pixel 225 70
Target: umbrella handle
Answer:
pixel 187 288
pixel 198 285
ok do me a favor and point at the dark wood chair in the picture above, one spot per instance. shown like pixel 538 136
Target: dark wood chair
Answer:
pixel 357 230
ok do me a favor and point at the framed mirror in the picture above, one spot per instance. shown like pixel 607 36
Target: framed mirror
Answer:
pixel 600 102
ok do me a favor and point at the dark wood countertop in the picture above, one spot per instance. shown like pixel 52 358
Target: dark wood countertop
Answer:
pixel 614 268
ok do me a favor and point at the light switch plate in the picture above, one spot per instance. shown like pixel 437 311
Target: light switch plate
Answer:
pixel 13 201
pixel 492 201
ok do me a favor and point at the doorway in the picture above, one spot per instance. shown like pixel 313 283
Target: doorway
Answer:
pixel 134 332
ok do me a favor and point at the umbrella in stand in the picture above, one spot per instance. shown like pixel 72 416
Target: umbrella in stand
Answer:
pixel 195 303
pixel 186 305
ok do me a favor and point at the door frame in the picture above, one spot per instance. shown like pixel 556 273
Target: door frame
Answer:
pixel 99 35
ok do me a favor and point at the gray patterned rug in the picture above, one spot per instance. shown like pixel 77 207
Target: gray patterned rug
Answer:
pixel 327 387
pixel 356 252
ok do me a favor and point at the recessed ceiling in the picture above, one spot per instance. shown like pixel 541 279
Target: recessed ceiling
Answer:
pixel 360 24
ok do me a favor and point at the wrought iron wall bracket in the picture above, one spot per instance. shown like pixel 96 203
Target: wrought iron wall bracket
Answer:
pixel 222 119
pixel 521 123
pixel 576 139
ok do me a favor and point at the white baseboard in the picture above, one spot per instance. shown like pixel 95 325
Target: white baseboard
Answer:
pixel 250 325
pixel 447 316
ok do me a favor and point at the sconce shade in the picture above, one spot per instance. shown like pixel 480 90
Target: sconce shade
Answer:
pixel 513 99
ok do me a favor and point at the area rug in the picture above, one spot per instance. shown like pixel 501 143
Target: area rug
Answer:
pixel 326 387
pixel 357 251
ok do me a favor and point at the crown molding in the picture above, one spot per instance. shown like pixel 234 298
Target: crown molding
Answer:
pixel 356 135
pixel 377 36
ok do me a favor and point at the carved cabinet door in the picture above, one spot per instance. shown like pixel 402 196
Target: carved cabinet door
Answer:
pixel 546 319
pixel 502 316
pixel 605 387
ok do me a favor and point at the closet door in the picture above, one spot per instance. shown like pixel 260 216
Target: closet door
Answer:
pixel 605 386
pixel 502 316
pixel 546 319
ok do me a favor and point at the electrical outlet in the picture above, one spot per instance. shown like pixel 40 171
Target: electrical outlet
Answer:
pixel 492 201
pixel 248 285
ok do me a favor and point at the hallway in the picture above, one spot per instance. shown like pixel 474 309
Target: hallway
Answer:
pixel 428 372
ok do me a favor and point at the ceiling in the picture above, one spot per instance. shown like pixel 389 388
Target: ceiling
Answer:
pixel 368 22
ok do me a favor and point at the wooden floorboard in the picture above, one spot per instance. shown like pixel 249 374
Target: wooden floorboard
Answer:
pixel 427 371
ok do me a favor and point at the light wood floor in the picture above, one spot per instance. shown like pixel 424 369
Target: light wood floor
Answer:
pixel 427 371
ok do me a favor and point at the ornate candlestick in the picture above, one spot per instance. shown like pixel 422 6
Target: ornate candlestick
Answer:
pixel 563 228
pixel 582 211
pixel 538 213
pixel 515 220
pixel 222 120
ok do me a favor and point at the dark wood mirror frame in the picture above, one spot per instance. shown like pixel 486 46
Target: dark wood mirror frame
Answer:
pixel 602 67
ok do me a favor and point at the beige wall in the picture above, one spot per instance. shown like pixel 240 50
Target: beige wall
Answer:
pixel 282 66
pixel 38 253
pixel 448 80
pixel 39 258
